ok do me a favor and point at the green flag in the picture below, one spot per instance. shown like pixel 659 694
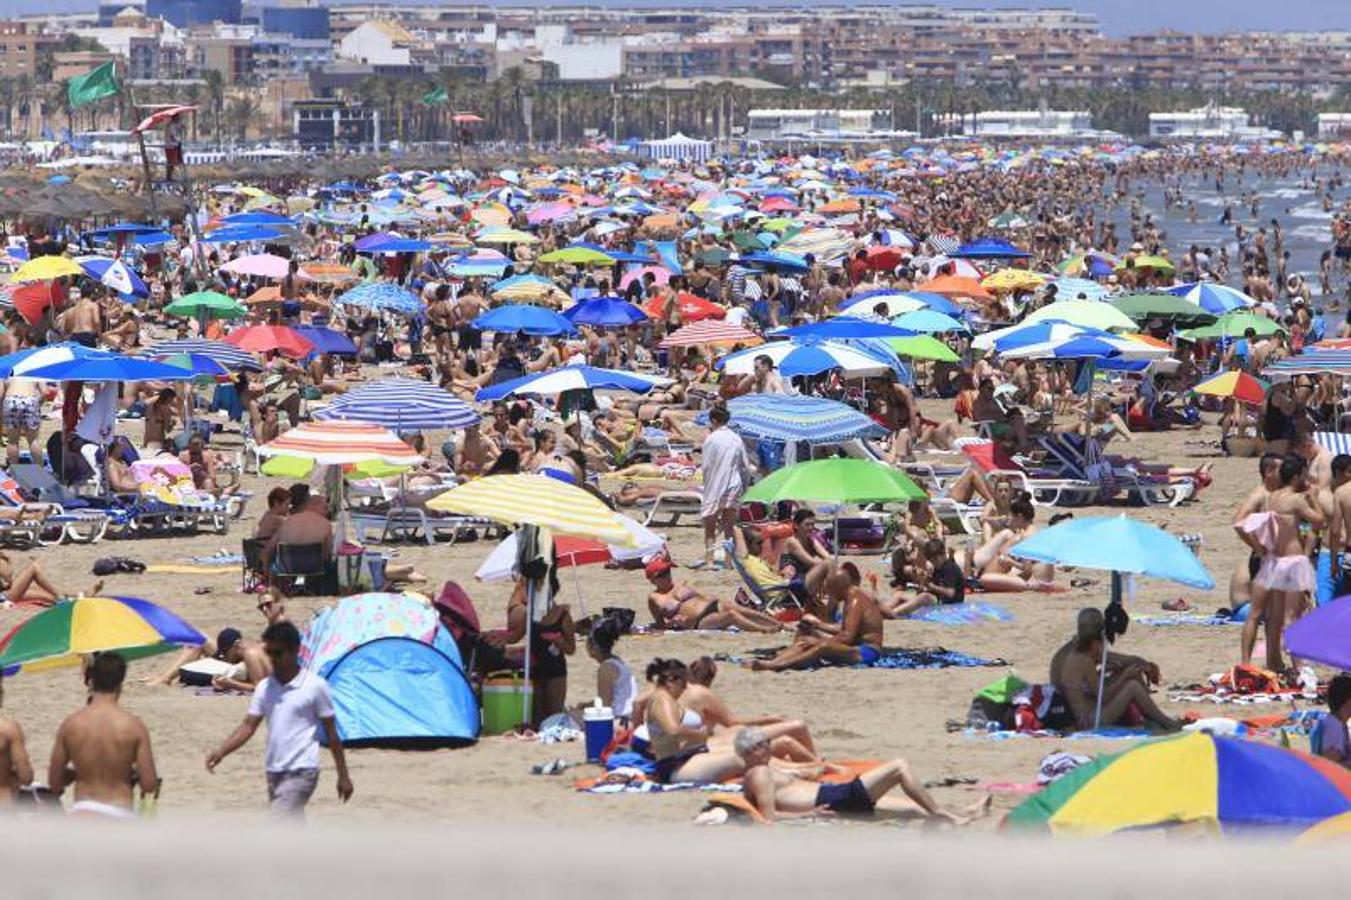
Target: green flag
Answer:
pixel 436 96
pixel 93 85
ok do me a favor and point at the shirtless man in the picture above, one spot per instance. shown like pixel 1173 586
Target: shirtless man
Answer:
pixel 16 771
pixel 1339 529
pixel 81 322
pixel 1074 672
pixel 680 606
pixel 469 306
pixel 473 455
pixel 778 794
pixel 858 639
pixel 159 421
pixel 272 609
pixel 108 748
pixel 233 649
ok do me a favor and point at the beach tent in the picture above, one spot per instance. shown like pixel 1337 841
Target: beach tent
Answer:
pixel 397 692
pixel 678 147
pixel 395 672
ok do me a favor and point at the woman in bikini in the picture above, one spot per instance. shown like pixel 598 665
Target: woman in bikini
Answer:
pixel 680 606
pixel 1286 576
pixel 676 743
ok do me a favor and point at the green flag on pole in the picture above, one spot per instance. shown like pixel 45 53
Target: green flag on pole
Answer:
pixel 436 96
pixel 93 85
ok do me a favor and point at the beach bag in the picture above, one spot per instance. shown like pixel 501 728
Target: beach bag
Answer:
pixel 1040 707
pixel 623 618
pixel 985 712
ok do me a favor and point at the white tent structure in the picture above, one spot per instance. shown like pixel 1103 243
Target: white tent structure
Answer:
pixel 678 147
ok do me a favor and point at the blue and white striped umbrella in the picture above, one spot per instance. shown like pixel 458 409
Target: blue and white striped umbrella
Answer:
pixel 572 378
pixel 1079 289
pixel 1214 298
pixel 810 357
pixel 382 295
pixel 780 417
pixel 113 273
pixel 228 355
pixel 403 404
pixel 1089 346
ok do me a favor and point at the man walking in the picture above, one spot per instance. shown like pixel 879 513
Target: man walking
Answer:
pixel 726 470
pixel 296 703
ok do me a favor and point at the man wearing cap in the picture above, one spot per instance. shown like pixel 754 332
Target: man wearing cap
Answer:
pixel 233 649
pixel 1074 672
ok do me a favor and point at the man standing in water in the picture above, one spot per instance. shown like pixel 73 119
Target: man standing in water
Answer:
pixel 103 748
pixel 296 703
pixel 15 770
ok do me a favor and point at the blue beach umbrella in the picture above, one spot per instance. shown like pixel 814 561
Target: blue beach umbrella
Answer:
pixel 519 318
pixel 1116 544
pixel 781 417
pixel 73 362
pixel 841 327
pixel 382 295
pixel 326 340
pixel 114 274
pixel 404 404
pixel 242 234
pixel 571 378
pixel 228 355
pixel 1214 298
pixel 928 321
pixel 608 312
pixel 989 248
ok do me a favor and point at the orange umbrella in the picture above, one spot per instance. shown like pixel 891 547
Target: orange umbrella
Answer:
pixel 328 273
pixel 843 205
pixel 956 286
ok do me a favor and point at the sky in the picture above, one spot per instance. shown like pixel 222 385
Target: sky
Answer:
pixel 1118 16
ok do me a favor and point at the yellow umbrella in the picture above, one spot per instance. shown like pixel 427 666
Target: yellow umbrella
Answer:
pixel 529 291
pixel 1013 280
pixel 540 501
pixel 505 236
pixel 45 268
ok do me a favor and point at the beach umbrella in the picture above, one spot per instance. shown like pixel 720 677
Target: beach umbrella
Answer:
pixel 841 327
pixel 1078 289
pixel 327 273
pixel 527 288
pixel 783 417
pixel 1213 298
pixel 1142 307
pixel 500 564
pixel 837 481
pixel 228 355
pixel 1085 313
pixel 809 356
pixel 200 366
pixel 259 217
pixel 540 501
pixel 62 634
pixel 956 286
pixel 406 404
pixel 775 262
pixel 693 308
pixel 1233 324
pixel 115 274
pixel 1092 264
pixel 660 275
pixel 989 248
pixel 1122 546
pixel 45 268
pixel 578 256
pixel 1023 335
pixel 73 362
pixel 340 443
pixel 393 244
pixel 1328 362
pixel 1226 784
pixel 605 312
pixel 1009 220
pixel 504 236
pixel 891 304
pixel 207 305
pixel 927 321
pixel 382 295
pixel 259 265
pixel 1323 635
pixel 1337 828
pixel 1013 280
pixel 519 318
pixel 711 332
pixel 884 258
pixel 1159 263
pixel 572 378
pixel 922 346
pixel 242 234
pixel 263 338
pixel 1239 385
pixel 326 340
pixel 1084 347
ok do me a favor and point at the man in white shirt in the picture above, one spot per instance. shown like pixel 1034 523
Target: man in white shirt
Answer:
pixel 296 703
pixel 726 470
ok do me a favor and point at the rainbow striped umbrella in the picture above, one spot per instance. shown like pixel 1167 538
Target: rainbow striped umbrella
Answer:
pixel 59 636
pixel 339 443
pixel 1226 784
pixel 540 501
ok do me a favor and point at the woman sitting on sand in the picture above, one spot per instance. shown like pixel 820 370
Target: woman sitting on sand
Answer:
pixel 678 737
pixel 616 686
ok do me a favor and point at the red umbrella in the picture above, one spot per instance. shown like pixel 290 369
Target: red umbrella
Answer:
pixel 883 259
pixel 464 118
pixel 262 338
pixel 574 551
pixel 160 116
pixel 692 308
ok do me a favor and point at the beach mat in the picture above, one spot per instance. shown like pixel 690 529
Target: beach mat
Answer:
pixel 893 658
pixel 181 569
pixel 962 614
pixel 1186 619
pixel 218 559
pixel 1102 734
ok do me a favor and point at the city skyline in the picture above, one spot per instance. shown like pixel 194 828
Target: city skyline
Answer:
pixel 1116 18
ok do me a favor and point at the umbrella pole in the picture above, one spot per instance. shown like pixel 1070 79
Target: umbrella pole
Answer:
pixel 581 601
pixel 527 695
pixel 1102 667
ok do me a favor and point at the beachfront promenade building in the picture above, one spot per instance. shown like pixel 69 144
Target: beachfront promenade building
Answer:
pixel 1209 122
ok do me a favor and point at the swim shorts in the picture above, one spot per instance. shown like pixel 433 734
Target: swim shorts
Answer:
pixel 22 413
pixel 845 798
pixel 868 654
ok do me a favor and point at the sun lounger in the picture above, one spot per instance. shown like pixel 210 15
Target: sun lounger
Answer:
pixel 47 522
pixel 1046 488
pixel 673 504
pixel 167 483
pixel 1073 460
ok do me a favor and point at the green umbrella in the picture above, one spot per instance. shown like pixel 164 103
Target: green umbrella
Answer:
pixel 713 256
pixel 837 481
pixel 922 346
pixel 1141 307
pixel 578 256
pixel 207 305
pixel 1233 324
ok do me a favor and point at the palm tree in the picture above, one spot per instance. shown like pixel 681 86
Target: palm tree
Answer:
pixel 242 111
pixel 215 91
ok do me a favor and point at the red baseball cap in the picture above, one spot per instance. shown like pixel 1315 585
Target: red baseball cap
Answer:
pixel 658 566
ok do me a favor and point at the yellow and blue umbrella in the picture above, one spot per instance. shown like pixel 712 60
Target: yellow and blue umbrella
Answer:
pixel 1223 783
pixel 59 636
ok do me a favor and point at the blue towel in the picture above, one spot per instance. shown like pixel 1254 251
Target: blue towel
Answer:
pixel 963 613
pixel 1170 621
pixel 936 658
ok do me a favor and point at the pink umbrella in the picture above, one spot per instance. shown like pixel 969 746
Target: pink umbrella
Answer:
pixel 661 273
pixel 550 212
pixel 261 265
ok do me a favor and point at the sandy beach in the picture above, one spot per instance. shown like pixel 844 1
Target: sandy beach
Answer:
pixel 868 714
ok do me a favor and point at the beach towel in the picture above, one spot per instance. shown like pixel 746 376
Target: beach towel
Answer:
pixel 218 559
pixel 181 569
pixel 1188 619
pixel 1110 733
pixel 962 613
pixel 899 658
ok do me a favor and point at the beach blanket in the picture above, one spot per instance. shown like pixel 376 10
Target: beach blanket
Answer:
pixel 1204 695
pixel 1187 619
pixel 963 613
pixel 629 780
pixel 218 559
pixel 1110 733
pixel 181 569
pixel 896 658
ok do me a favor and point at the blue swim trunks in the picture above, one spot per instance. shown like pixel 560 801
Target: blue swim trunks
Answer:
pixel 867 654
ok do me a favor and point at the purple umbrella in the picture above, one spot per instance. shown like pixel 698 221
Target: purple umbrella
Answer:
pixel 1324 635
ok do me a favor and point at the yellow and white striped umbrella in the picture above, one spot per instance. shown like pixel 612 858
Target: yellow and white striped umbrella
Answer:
pixel 537 500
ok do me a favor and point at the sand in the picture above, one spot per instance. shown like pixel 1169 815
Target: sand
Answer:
pixel 853 714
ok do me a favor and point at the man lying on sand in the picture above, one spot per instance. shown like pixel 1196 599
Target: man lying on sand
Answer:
pixel 778 794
